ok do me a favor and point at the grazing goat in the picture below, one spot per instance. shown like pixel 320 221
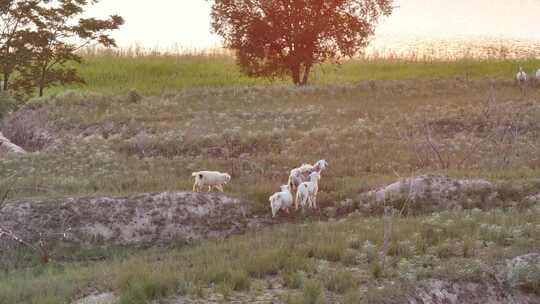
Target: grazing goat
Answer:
pixel 281 200
pixel 211 179
pixel 307 192
pixel 521 78
pixel 301 174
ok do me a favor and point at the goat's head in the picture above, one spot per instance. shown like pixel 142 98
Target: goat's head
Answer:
pixel 227 177
pixel 321 165
pixel 314 176
pixel 285 188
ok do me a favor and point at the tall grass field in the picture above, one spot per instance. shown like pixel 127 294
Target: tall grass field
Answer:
pixel 155 73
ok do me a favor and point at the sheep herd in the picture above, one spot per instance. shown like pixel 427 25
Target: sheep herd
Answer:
pixel 304 179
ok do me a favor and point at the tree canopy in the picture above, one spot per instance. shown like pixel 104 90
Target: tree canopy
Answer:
pixel 287 37
pixel 39 37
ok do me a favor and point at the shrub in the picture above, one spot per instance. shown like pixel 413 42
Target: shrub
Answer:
pixel 313 292
pixel 339 282
pixel 294 280
pixel 142 284
pixel 350 257
pixel 525 273
pixel 352 297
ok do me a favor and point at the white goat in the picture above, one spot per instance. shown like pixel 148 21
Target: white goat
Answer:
pixel 281 200
pixel 521 78
pixel 211 179
pixel 538 75
pixel 301 174
pixel 307 192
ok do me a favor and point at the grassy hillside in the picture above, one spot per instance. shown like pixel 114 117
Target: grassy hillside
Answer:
pixel 312 263
pixel 369 133
pixel 198 112
pixel 156 74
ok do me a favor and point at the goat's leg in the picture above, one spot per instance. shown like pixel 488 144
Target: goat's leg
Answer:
pixel 195 187
pixel 220 188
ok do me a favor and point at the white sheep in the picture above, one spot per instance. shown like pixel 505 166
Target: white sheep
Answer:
pixel 211 179
pixel 281 200
pixel 301 174
pixel 307 192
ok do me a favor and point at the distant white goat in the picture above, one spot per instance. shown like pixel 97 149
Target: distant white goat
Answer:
pixel 307 192
pixel 538 75
pixel 521 78
pixel 281 200
pixel 301 174
pixel 211 179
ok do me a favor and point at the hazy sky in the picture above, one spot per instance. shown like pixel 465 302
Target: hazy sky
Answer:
pixel 165 23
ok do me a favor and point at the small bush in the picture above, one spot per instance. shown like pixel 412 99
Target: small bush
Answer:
pixel 339 282
pixel 525 275
pixel 294 280
pixel 313 292
pixel 376 269
pixel 352 297
pixel 239 280
pixel 328 251
pixel 143 284
pixel 350 257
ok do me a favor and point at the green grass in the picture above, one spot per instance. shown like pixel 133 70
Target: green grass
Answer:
pixel 201 113
pixel 155 74
pixel 286 253
pixel 113 146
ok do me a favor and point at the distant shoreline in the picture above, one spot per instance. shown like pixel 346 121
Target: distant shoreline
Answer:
pixel 419 48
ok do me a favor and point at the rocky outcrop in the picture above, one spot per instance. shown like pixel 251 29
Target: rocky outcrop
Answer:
pixel 149 217
pixel 436 193
pixel 8 148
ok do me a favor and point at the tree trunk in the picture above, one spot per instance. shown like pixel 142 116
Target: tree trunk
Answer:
pixel 42 82
pixel 307 69
pixel 295 71
pixel 6 82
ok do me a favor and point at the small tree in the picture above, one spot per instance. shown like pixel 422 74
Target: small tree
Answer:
pixel 279 37
pixel 59 33
pixel 15 17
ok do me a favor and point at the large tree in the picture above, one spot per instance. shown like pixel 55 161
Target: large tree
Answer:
pixel 280 37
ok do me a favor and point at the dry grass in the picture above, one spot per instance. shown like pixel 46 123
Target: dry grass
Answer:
pixel 434 246
pixel 368 133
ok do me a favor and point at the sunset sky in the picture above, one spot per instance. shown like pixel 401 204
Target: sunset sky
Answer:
pixel 166 23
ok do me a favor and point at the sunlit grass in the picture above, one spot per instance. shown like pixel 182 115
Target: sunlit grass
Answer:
pixel 157 74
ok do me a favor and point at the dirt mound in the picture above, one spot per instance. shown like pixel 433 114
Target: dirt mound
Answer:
pixel 30 128
pixel 429 193
pixel 7 147
pixel 446 292
pixel 516 283
pixel 149 217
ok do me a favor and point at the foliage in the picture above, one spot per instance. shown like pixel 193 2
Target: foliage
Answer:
pixel 39 38
pixel 274 38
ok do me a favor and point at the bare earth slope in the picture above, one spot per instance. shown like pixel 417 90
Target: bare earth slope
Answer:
pixel 148 217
